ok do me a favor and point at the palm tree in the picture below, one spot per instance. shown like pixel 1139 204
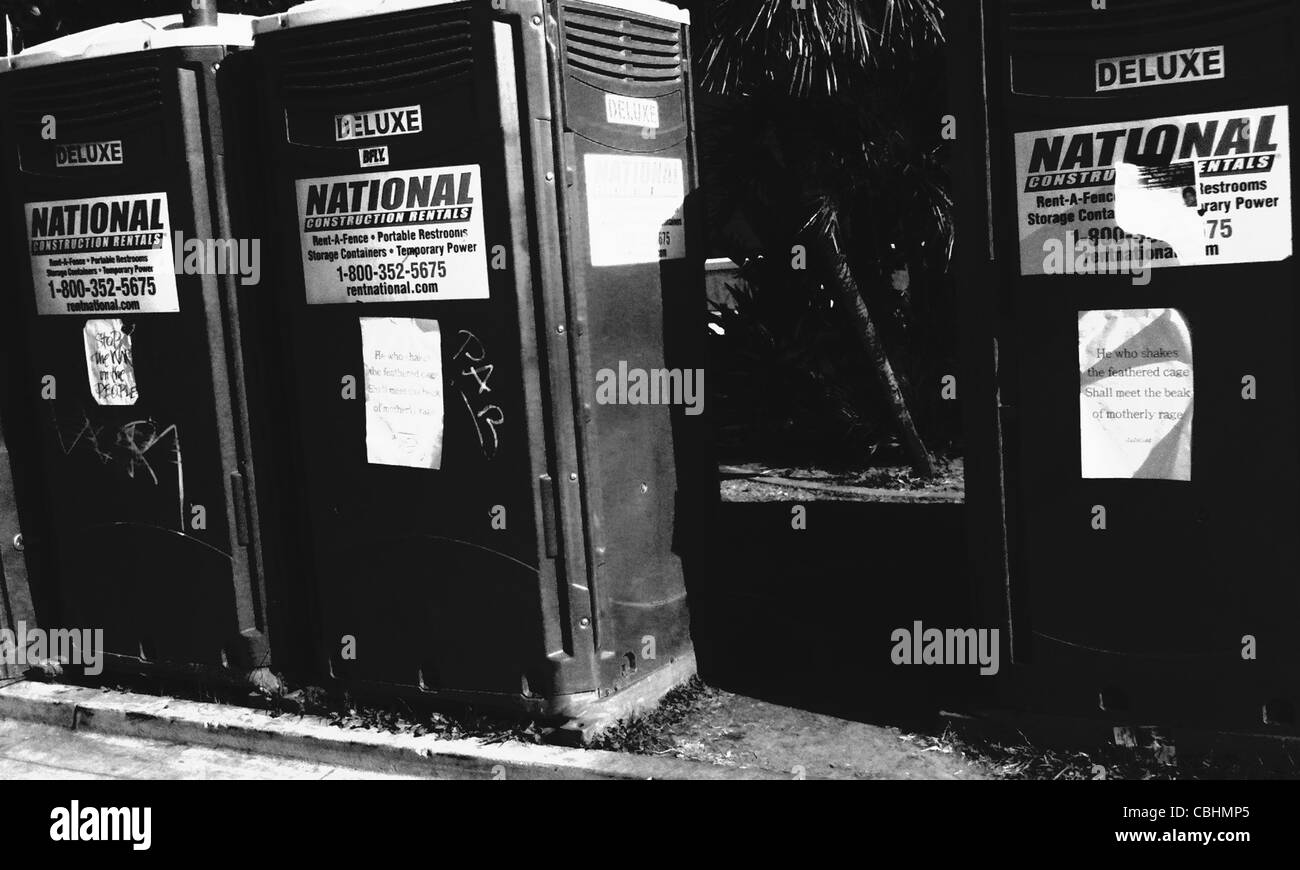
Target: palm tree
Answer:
pixel 820 148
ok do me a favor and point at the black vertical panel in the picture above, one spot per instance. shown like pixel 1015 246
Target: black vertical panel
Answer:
pixel 644 486
pixel 973 266
pixel 114 530
pixel 406 560
pixel 1160 600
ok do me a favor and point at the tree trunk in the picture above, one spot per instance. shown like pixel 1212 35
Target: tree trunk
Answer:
pixel 839 278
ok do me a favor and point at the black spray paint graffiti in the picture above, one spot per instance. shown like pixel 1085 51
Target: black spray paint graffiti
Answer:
pixel 131 447
pixel 487 417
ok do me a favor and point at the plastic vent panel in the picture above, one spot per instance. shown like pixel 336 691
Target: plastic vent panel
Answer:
pixel 88 92
pixel 1047 18
pixel 606 45
pixel 428 47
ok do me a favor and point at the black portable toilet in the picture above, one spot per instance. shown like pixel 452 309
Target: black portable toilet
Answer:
pixel 1142 222
pixel 15 594
pixel 484 224
pixel 129 418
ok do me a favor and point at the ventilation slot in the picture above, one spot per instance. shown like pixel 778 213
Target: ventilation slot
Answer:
pixel 431 47
pixel 615 48
pixel 88 93
pixel 1045 17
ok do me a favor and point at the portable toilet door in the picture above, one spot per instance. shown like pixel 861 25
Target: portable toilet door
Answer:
pixel 131 388
pixel 1143 214
pixel 481 527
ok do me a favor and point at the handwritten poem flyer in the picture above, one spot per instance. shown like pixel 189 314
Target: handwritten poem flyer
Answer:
pixel 1135 394
pixel 404 391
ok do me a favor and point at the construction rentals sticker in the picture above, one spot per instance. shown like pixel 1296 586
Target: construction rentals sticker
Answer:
pixel 634 209
pixel 106 254
pixel 394 236
pixel 1180 191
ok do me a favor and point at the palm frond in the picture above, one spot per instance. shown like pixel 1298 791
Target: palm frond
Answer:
pixel 813 47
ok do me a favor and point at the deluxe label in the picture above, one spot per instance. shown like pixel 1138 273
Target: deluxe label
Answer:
pixel 401 121
pixel 89 154
pixel 1166 68
pixel 632 111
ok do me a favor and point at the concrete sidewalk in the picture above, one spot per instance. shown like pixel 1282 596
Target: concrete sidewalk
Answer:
pixel 29 750
pixel 254 743
pixel 57 731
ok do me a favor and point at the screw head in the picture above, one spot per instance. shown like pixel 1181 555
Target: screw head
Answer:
pixel 537 19
pixel 573 475
pixel 18 542
pixel 584 622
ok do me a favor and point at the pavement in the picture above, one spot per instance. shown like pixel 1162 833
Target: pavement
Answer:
pixel 274 739
pixel 30 750
pixel 53 731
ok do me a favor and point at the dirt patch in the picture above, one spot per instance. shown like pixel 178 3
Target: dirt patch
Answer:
pixel 756 482
pixel 1146 758
pixel 701 723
